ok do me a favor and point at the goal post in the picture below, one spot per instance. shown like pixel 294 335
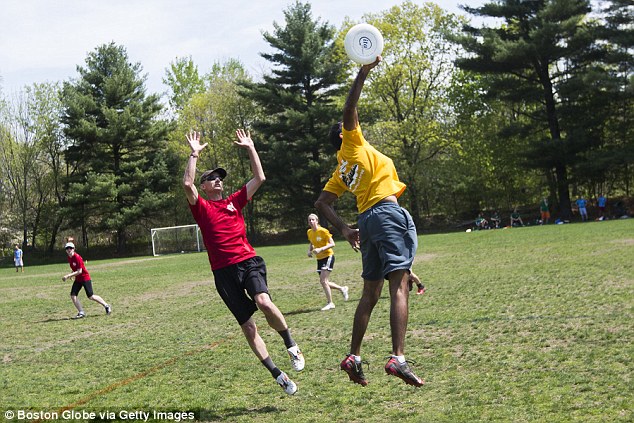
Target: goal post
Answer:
pixel 176 239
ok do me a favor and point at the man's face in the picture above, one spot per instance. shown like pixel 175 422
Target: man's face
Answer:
pixel 211 183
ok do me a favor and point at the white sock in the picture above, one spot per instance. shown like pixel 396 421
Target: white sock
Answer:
pixel 357 358
pixel 399 358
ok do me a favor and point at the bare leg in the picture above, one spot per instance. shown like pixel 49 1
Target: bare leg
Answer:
pixel 325 284
pixel 98 299
pixel 250 331
pixel 369 297
pixel 325 276
pixel 399 296
pixel 273 315
pixel 76 302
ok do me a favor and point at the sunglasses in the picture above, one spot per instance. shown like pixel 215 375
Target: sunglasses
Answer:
pixel 69 248
pixel 212 178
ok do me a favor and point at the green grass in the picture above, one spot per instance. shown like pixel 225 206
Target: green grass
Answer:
pixel 517 325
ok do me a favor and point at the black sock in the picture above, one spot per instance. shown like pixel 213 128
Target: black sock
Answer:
pixel 268 363
pixel 288 339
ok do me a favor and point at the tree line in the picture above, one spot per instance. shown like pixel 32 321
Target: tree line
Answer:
pixel 536 102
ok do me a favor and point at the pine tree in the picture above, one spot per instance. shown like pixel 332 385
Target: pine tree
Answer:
pixel 118 146
pixel 298 99
pixel 538 55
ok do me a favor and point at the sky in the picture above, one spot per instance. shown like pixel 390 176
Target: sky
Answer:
pixel 45 40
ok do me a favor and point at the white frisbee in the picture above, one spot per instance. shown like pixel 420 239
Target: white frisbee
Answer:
pixel 363 43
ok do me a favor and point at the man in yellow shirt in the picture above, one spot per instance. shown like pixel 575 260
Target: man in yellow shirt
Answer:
pixel 321 244
pixel 386 235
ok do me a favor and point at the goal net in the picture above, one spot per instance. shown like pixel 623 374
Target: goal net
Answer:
pixel 176 239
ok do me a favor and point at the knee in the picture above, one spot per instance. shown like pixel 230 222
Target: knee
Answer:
pixel 371 296
pixel 263 301
pixel 249 328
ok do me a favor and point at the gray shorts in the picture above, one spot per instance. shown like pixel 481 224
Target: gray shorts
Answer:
pixel 388 240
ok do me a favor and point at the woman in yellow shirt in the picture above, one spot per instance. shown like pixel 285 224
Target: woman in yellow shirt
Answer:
pixel 320 244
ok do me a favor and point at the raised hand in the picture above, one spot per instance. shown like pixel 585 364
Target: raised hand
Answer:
pixel 244 139
pixel 193 138
pixel 373 64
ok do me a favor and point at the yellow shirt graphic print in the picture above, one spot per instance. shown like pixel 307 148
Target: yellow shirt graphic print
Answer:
pixel 351 177
pixel 364 171
pixel 320 238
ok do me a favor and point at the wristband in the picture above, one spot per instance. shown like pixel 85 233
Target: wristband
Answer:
pixel 193 155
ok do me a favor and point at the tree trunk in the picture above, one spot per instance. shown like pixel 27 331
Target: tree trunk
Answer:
pixel 565 210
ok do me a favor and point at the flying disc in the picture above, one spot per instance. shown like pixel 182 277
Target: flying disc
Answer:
pixel 363 43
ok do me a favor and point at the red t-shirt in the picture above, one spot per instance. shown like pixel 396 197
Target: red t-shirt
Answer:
pixel 222 226
pixel 76 263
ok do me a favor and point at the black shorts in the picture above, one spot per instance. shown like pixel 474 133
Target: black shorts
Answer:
pixel 327 263
pixel 238 285
pixel 74 290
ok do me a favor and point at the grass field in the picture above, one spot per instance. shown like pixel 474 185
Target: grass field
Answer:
pixel 517 325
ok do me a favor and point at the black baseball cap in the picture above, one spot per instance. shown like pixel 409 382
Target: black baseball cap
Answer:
pixel 219 171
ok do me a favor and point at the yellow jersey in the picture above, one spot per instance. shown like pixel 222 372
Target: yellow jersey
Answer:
pixel 364 171
pixel 318 239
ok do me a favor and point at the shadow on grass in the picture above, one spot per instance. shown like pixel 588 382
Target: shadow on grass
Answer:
pixel 301 311
pixel 61 319
pixel 311 310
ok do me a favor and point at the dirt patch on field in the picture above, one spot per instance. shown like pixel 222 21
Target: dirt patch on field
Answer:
pixel 421 258
pixel 626 241
pixel 124 262
pixel 82 335
pixel 181 290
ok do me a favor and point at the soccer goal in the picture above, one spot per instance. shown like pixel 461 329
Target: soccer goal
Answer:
pixel 176 239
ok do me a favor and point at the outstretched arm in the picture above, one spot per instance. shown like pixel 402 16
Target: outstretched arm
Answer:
pixel 189 184
pixel 324 205
pixel 350 116
pixel 244 140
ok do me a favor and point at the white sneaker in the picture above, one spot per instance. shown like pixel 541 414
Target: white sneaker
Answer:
pixel 288 385
pixel 80 315
pixel 297 358
pixel 328 306
pixel 344 291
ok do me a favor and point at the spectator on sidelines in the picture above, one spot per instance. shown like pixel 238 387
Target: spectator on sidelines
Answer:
pixel 581 204
pixel 481 222
pixel 544 211
pixel 601 203
pixel 516 219
pixel 496 219
pixel 18 258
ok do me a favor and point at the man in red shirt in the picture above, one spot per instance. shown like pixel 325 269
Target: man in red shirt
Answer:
pixel 82 279
pixel 239 274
